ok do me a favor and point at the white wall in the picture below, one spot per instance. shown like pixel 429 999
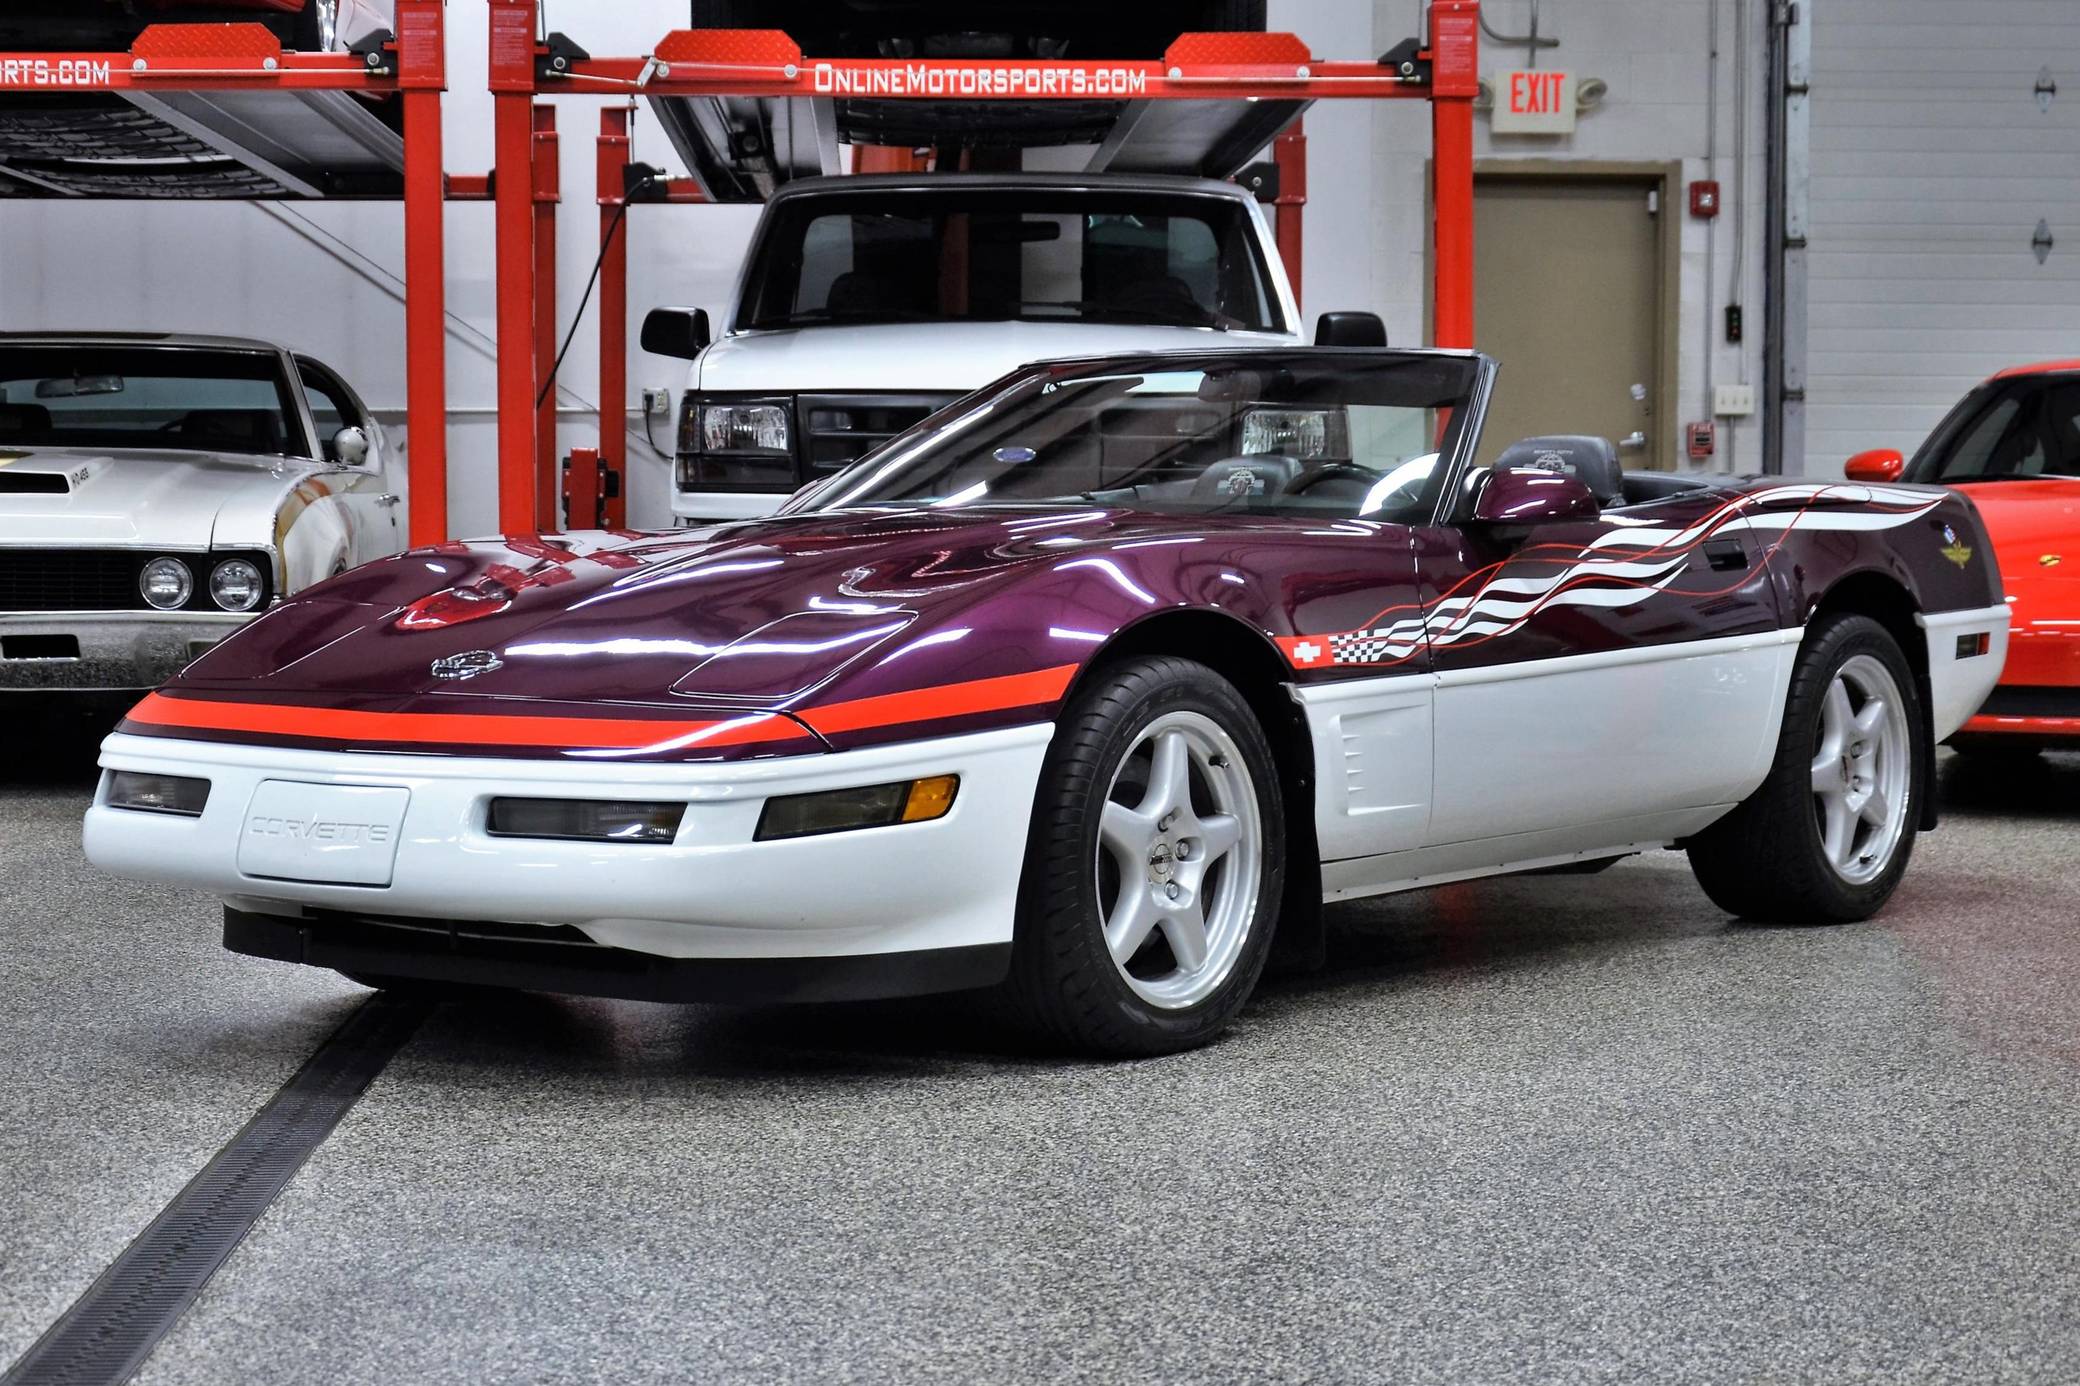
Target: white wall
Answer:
pixel 267 270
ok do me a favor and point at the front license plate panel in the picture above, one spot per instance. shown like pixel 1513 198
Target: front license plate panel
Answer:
pixel 328 833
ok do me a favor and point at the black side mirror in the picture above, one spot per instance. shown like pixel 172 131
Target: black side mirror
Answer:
pixel 681 332
pixel 1350 330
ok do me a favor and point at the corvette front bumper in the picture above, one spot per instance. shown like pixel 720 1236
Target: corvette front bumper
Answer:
pixel 714 893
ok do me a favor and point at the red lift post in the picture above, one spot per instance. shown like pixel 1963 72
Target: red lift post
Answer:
pixel 171 60
pixel 766 63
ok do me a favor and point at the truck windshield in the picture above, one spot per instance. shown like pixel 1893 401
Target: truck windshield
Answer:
pixel 987 255
pixel 1334 435
pixel 87 396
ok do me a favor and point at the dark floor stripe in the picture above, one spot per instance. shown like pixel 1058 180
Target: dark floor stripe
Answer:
pixel 106 1335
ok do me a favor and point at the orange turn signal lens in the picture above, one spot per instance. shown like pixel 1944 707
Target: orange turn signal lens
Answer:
pixel 932 798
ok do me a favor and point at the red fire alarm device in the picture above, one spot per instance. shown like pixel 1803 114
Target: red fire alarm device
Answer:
pixel 1704 198
pixel 1703 439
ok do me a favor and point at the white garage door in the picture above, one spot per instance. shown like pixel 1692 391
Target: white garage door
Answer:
pixel 1932 164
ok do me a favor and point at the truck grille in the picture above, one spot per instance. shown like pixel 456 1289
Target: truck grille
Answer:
pixel 56 580
pixel 841 429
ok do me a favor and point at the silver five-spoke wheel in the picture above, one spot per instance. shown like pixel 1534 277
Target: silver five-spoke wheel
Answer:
pixel 1862 769
pixel 1179 861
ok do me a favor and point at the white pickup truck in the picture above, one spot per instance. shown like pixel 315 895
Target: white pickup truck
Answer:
pixel 868 302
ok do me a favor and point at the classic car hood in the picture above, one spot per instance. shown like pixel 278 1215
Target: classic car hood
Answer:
pixel 138 496
pixel 760 613
pixel 938 356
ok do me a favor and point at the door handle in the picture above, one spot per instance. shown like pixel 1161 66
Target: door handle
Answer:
pixel 386 500
pixel 1633 442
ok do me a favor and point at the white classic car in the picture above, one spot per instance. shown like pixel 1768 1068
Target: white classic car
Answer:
pixel 156 492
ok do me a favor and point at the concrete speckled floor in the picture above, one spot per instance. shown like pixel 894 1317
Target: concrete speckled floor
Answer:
pixel 1553 1129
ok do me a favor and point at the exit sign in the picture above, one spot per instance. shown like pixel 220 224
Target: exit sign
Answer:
pixel 1534 103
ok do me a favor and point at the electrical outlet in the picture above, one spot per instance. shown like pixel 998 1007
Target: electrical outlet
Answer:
pixel 1733 401
pixel 657 403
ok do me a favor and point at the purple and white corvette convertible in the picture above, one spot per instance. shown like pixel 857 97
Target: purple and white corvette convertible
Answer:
pixel 1090 688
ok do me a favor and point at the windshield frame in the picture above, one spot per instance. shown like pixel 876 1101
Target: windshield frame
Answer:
pixel 300 433
pixel 1279 307
pixel 1942 441
pixel 1455 459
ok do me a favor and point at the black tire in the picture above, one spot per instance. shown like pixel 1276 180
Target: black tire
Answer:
pixel 1064 987
pixel 1765 860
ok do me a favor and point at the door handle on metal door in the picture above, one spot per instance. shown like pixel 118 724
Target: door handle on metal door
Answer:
pixel 387 500
pixel 1633 442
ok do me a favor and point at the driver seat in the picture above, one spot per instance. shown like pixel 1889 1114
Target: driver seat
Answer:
pixel 1590 460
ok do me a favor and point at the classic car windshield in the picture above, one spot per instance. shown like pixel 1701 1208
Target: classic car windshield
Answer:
pixel 2006 430
pixel 146 397
pixel 995 255
pixel 1343 434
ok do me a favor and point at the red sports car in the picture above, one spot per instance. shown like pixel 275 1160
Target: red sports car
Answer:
pixel 2013 446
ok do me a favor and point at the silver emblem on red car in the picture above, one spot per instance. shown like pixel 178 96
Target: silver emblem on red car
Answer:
pixel 466 665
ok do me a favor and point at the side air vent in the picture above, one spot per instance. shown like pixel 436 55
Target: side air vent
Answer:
pixel 33 484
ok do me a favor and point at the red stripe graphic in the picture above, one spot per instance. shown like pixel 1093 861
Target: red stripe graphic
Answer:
pixel 599 733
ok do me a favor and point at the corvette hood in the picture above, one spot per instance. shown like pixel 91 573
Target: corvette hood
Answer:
pixel 941 356
pixel 138 496
pixel 757 614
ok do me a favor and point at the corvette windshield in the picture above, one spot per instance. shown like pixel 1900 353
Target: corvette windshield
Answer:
pixel 146 397
pixel 2006 430
pixel 1333 434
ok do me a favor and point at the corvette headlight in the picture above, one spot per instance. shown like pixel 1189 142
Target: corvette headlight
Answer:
pixel 873 806
pixel 236 585
pixel 166 584
pixel 745 428
pixel 585 820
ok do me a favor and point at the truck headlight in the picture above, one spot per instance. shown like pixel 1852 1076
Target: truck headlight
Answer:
pixel 745 428
pixel 166 584
pixel 237 585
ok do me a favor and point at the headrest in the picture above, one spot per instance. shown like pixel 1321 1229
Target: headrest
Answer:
pixel 18 419
pixel 1592 461
pixel 1240 479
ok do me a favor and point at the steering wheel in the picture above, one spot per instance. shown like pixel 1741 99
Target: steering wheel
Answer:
pixel 1323 471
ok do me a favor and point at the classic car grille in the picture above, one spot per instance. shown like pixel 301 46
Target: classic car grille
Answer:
pixel 840 429
pixel 33 484
pixel 2022 700
pixel 49 580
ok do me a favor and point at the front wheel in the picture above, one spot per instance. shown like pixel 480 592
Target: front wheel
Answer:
pixel 1155 864
pixel 1826 838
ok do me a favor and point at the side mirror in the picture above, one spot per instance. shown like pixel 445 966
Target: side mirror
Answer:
pixel 1879 464
pixel 1532 496
pixel 350 447
pixel 1350 330
pixel 681 332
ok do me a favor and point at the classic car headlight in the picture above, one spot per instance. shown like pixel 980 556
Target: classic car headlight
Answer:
pixel 175 794
pixel 1307 434
pixel 585 820
pixel 236 585
pixel 842 810
pixel 166 584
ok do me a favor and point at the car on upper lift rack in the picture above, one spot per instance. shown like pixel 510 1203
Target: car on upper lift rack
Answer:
pixel 109 145
pixel 1085 688
pixel 159 492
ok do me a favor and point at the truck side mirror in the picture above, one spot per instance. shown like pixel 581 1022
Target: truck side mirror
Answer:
pixel 681 332
pixel 1350 330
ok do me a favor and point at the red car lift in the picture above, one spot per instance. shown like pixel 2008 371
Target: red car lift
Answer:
pixel 1160 123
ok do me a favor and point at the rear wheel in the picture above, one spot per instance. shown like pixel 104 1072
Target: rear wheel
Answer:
pixel 1826 838
pixel 1154 867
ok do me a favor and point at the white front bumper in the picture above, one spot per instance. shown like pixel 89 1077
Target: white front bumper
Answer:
pixel 713 893
pixel 1958 683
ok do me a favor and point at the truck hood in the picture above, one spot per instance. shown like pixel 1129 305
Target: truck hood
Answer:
pixel 140 496
pixel 942 357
